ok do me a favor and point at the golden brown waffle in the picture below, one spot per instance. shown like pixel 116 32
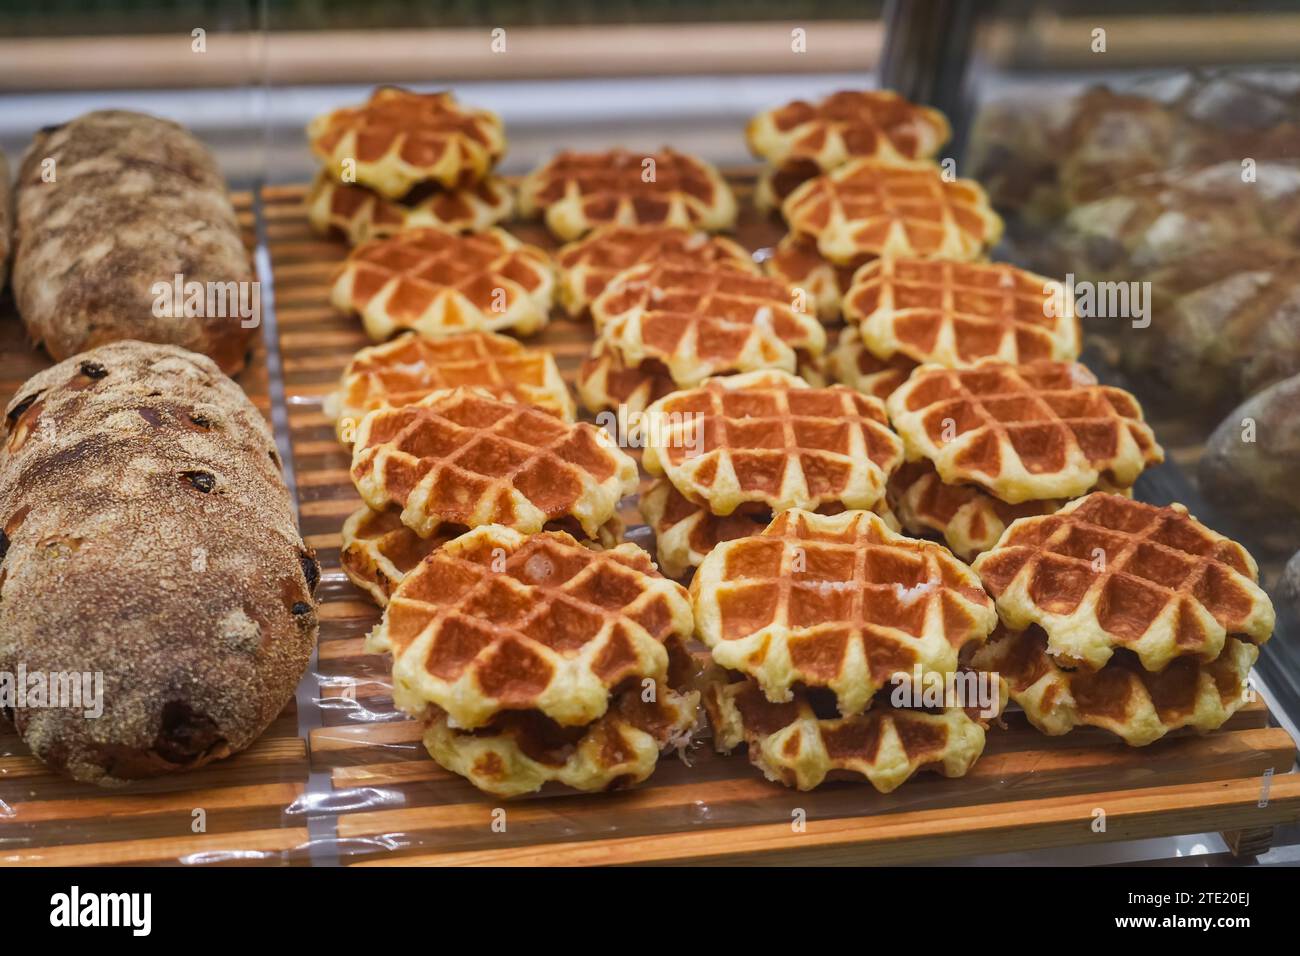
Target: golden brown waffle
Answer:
pixel 519 752
pixel 968 518
pixel 587 265
pixel 840 602
pixel 685 532
pixel 1106 572
pixel 439 283
pixel 397 139
pixel 768 438
pixel 776 183
pixel 413 366
pixel 464 457
pixel 359 214
pixel 498 621
pixel 605 382
pixel 866 209
pixel 703 321
pixel 851 363
pixel 1024 432
pixel 1123 697
pixel 956 313
pixel 377 551
pixel 577 192
pixel 791 744
pixel 796 262
pixel 848 125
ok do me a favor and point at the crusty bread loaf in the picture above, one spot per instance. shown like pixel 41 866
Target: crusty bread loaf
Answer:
pixel 134 201
pixel 148 536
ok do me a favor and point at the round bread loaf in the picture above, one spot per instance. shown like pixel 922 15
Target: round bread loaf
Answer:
pixel 146 535
pixel 108 207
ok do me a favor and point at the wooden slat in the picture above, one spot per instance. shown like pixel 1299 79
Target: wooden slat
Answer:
pixel 1018 825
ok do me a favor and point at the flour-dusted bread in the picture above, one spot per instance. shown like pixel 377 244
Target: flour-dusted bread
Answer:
pixel 147 536
pixel 109 206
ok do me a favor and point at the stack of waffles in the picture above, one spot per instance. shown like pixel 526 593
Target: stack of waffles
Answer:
pixel 532 659
pixel 672 323
pixel 1126 616
pixel 736 450
pixel 855 180
pixel 825 634
pixel 997 441
pixel 405 160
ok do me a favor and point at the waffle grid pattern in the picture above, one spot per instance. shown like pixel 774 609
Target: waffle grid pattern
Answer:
pixel 359 214
pixel 840 602
pixel 956 313
pixel 464 457
pixel 866 209
pixel 1034 431
pixel 412 367
pixel 439 283
pixel 1107 572
pixel 576 192
pixel 700 322
pixel 766 437
pixel 398 139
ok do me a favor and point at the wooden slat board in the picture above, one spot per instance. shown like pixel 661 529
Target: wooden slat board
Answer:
pixel 402 808
pixel 251 801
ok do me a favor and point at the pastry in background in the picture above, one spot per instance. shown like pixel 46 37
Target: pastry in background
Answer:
pixel 1251 461
pixel 576 192
pixel 124 230
pixel 800 140
pixel 399 139
pixel 867 209
pixel 438 283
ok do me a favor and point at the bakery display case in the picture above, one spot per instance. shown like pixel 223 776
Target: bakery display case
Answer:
pixel 654 425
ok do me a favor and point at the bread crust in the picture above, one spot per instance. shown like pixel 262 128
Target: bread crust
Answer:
pixel 135 200
pixel 148 536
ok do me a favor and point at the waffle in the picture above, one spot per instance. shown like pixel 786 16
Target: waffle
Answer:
pixel 840 602
pixel 968 518
pixel 398 139
pixel 519 752
pixel 685 532
pixel 587 265
pixel 851 364
pixel 1106 572
pixel 439 283
pixel 791 744
pixel 796 262
pixel 1123 697
pixel 576 192
pixel 411 367
pixel 359 214
pixel 867 209
pixel 776 183
pixel 604 381
pixel 705 321
pixel 498 621
pixel 464 457
pixel 848 125
pixel 768 438
pixel 956 313
pixel 1024 432
pixel 377 550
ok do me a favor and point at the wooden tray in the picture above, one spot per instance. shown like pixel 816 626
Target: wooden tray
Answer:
pixel 399 807
pixel 249 801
